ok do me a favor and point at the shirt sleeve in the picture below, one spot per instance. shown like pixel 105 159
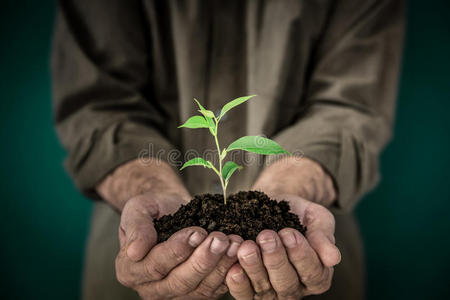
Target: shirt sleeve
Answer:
pixel 103 110
pixel 350 96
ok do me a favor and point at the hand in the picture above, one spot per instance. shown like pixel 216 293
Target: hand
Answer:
pixel 288 265
pixel 190 264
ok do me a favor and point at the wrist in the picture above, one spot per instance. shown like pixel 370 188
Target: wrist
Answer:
pixel 297 176
pixel 136 178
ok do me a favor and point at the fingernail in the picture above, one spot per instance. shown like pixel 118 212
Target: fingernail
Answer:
pixel 218 246
pixel 251 258
pixel 232 251
pixel 195 239
pixel 289 239
pixel 268 246
pixel 238 277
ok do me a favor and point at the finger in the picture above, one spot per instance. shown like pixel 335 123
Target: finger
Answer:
pixel 313 274
pixel 141 239
pixel 320 234
pixel 220 291
pixel 329 254
pixel 239 284
pixel 250 259
pixel 161 259
pixel 188 275
pixel 213 281
pixel 167 255
pixel 136 231
pixel 282 275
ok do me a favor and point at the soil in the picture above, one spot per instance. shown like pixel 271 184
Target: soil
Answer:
pixel 245 214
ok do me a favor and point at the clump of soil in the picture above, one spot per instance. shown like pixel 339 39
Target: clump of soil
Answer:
pixel 245 214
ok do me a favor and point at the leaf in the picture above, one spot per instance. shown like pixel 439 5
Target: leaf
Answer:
pixel 212 129
pixel 223 154
pixel 228 170
pixel 257 144
pixel 197 161
pixel 208 116
pixel 233 103
pixel 195 122
pixel 199 105
pixel 207 113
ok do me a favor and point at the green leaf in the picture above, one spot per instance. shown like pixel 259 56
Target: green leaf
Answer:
pixel 257 144
pixel 199 105
pixel 228 170
pixel 224 154
pixel 212 125
pixel 195 122
pixel 233 103
pixel 197 161
pixel 207 113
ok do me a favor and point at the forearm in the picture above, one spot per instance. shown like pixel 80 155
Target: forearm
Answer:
pixel 136 178
pixel 297 176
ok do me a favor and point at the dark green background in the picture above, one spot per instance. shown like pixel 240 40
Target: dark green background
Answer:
pixel 44 221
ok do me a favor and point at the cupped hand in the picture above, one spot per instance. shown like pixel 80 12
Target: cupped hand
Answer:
pixel 287 264
pixel 191 264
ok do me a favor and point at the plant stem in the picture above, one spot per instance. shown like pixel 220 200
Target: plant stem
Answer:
pixel 219 153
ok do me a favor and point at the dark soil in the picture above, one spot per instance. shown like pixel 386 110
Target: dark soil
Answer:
pixel 245 214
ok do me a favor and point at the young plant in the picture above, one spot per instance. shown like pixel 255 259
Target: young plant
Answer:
pixel 255 144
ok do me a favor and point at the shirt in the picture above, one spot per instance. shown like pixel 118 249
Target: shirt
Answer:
pixel 325 72
pixel 125 74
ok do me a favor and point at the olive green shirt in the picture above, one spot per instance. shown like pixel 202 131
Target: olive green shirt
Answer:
pixel 125 74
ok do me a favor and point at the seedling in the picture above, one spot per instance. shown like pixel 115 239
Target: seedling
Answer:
pixel 255 144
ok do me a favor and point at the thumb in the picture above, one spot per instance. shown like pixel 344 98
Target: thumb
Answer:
pixel 320 235
pixel 324 246
pixel 137 233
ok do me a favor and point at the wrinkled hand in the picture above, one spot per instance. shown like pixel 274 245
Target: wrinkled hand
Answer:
pixel 190 264
pixel 288 265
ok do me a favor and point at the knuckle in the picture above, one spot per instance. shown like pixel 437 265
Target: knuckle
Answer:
pixel 276 264
pixel 206 289
pixel 200 267
pixel 154 270
pixel 325 283
pixel 262 286
pixel 319 289
pixel 325 287
pixel 267 293
pixel 312 278
pixel 221 271
pixel 316 235
pixel 228 277
pixel 327 215
pixel 298 257
pixel 291 291
pixel 179 286
pixel 298 253
pixel 222 289
pixel 176 254
pixel 320 282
